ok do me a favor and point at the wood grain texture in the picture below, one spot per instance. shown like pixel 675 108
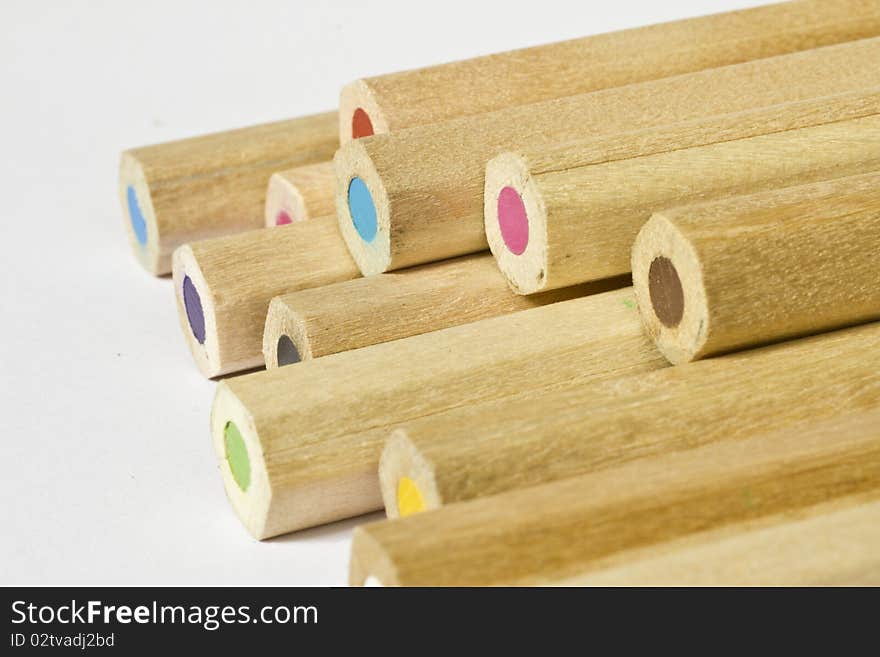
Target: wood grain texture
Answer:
pixel 367 311
pixel 236 277
pixel 484 84
pixel 760 268
pixel 519 442
pixel 301 193
pixel 207 186
pixel 314 430
pixel 427 182
pixel 585 209
pixel 566 529
pixel 823 548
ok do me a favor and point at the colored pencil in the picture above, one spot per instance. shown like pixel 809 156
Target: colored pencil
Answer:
pixel 317 322
pixel 716 277
pixel 223 287
pixel 533 439
pixel 300 193
pixel 563 532
pixel 483 84
pixel 416 196
pixel 567 216
pixel 203 187
pixel 299 446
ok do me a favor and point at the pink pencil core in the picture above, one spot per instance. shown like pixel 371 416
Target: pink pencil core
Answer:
pixel 282 219
pixel 513 220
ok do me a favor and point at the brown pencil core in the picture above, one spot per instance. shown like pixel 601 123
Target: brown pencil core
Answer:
pixel 667 295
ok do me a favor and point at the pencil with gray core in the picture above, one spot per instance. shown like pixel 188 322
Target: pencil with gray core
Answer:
pixel 365 311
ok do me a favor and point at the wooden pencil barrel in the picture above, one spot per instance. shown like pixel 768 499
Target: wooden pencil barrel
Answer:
pixel 535 439
pixel 716 277
pixel 366 311
pixel 483 84
pixel 566 530
pixel 300 193
pixel 582 221
pixel 299 446
pixel 416 196
pixel 821 547
pixel 224 285
pixel 203 187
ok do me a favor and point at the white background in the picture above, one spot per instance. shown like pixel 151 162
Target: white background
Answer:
pixel 107 475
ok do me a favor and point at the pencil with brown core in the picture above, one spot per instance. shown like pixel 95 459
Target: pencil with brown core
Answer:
pixel 483 84
pixel 529 440
pixel 299 446
pixel 207 186
pixel 366 311
pixel 416 196
pixel 717 277
pixel 300 193
pixel 554 533
pixel 552 225
pixel 224 285
pixel 841 550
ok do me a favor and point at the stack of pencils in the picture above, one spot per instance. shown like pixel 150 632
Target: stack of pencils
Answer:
pixel 596 312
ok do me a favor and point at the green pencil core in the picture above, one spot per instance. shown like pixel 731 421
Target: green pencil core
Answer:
pixel 237 456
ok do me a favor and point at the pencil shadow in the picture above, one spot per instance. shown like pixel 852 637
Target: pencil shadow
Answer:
pixel 328 530
pixel 232 375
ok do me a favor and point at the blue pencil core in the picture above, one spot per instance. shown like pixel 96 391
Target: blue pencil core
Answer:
pixel 192 302
pixel 362 210
pixel 138 223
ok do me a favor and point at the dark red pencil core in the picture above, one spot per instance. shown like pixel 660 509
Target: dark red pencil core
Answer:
pixel 361 125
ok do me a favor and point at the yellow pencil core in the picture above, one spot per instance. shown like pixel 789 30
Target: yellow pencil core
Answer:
pixel 409 497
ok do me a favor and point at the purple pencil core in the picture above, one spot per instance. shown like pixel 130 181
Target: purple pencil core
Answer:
pixel 194 313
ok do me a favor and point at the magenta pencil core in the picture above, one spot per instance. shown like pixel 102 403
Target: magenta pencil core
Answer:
pixel 513 220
